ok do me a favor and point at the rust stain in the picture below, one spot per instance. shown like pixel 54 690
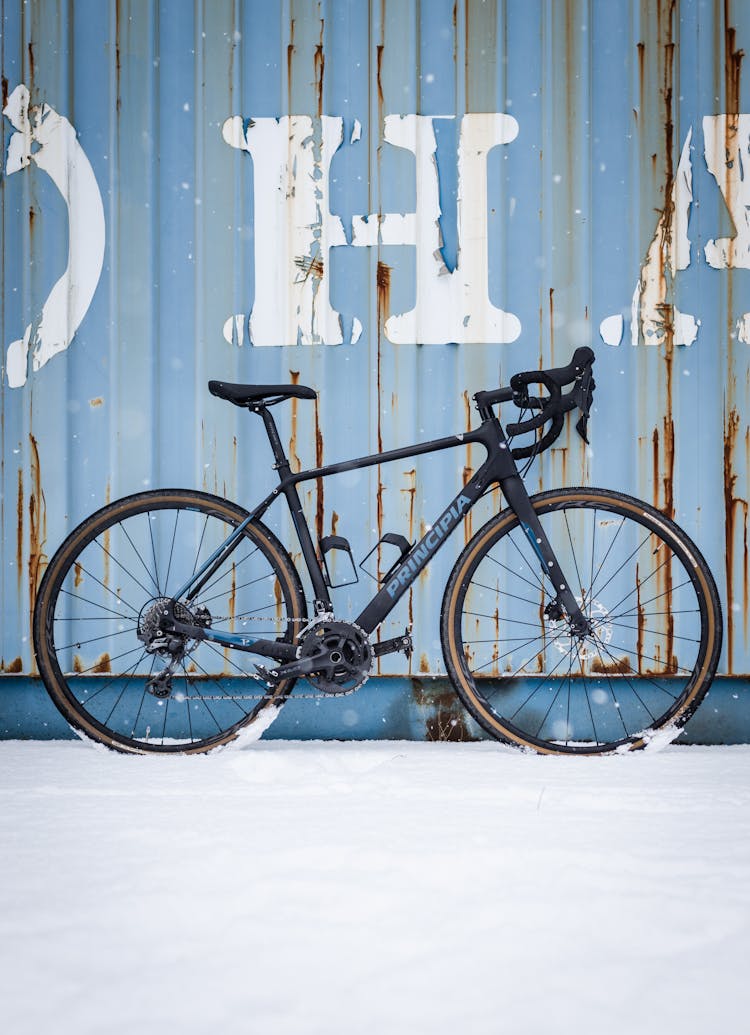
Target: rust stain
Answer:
pixel 618 667
pixel 641 48
pixel 379 79
pixel 294 460
pixel 411 492
pixel 319 61
pixel 19 533
pixel 320 506
pixel 447 720
pixel 96 402
pixel 289 63
pixel 118 66
pixel 334 523
pixel 232 600
pixel 16 665
pixel 78 664
pixel 308 265
pixel 78 579
pixel 424 663
pixel 383 280
pixel 551 325
pixel 102 664
pixel 641 620
pixel 732 423
pixel 37 528
pixel 733 56
pixel 278 600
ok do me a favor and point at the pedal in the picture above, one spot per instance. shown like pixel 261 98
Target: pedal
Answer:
pixel 397 643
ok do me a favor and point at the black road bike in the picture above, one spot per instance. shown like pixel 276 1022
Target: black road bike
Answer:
pixel 577 620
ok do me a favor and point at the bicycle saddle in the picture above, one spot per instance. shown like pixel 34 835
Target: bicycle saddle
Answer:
pixel 245 395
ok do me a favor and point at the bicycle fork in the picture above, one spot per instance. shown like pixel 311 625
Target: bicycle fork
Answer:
pixel 515 493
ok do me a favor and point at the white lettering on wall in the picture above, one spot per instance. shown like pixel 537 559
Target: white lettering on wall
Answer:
pixel 295 230
pixel 451 306
pixel 48 139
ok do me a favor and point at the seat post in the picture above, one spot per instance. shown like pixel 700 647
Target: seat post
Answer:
pixel 273 437
pixel 322 597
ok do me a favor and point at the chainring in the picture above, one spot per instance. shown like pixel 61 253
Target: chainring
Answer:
pixel 344 652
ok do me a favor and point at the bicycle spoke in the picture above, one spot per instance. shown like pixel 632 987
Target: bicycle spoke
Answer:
pixel 650 632
pixel 667 592
pixel 501 618
pixel 236 589
pixel 118 598
pixel 513 596
pixel 534 571
pixel 138 555
pixel 96 639
pixel 171 549
pixel 223 575
pixel 575 561
pixel 153 551
pixel 122 567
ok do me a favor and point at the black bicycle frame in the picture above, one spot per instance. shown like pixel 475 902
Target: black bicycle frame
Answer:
pixel 498 468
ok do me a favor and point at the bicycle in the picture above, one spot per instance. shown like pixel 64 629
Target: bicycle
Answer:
pixel 577 620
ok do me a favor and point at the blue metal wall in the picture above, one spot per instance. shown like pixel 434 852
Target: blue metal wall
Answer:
pixel 420 198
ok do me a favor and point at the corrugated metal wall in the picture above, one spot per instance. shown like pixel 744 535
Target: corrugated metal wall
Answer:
pixel 418 198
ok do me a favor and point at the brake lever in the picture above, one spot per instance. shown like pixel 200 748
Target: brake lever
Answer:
pixel 583 394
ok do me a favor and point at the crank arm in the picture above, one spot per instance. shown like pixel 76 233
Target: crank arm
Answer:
pixel 302 667
pixel 397 643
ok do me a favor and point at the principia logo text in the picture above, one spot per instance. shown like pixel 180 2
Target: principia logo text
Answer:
pixel 411 568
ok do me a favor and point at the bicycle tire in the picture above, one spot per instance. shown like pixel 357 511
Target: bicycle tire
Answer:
pixel 99 592
pixel 629 687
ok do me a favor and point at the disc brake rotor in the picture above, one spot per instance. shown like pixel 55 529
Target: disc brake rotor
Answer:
pixel 591 645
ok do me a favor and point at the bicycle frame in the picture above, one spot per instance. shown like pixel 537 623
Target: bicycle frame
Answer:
pixel 499 468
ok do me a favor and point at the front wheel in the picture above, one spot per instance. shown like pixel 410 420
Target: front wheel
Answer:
pixel 96 624
pixel 655 627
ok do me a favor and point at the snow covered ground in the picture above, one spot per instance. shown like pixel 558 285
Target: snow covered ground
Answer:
pixel 387 887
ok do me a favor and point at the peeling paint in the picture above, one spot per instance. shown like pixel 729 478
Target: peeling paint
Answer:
pixel 611 329
pixel 49 140
pixel 654 318
pixel 727 139
pixel 293 223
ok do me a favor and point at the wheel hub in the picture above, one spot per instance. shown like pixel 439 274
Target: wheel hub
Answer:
pixel 152 634
pixel 589 645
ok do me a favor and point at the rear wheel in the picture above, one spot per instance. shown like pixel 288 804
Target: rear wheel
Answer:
pixel 655 627
pixel 96 632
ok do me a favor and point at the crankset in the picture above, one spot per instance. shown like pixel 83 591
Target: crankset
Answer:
pixel 335 657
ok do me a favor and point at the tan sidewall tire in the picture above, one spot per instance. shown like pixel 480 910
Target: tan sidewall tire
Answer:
pixel 66 555
pixel 546 501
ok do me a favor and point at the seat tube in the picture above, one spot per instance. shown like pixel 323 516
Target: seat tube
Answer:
pixel 281 464
pixel 515 493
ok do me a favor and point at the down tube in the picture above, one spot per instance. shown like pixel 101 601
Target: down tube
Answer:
pixel 423 551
